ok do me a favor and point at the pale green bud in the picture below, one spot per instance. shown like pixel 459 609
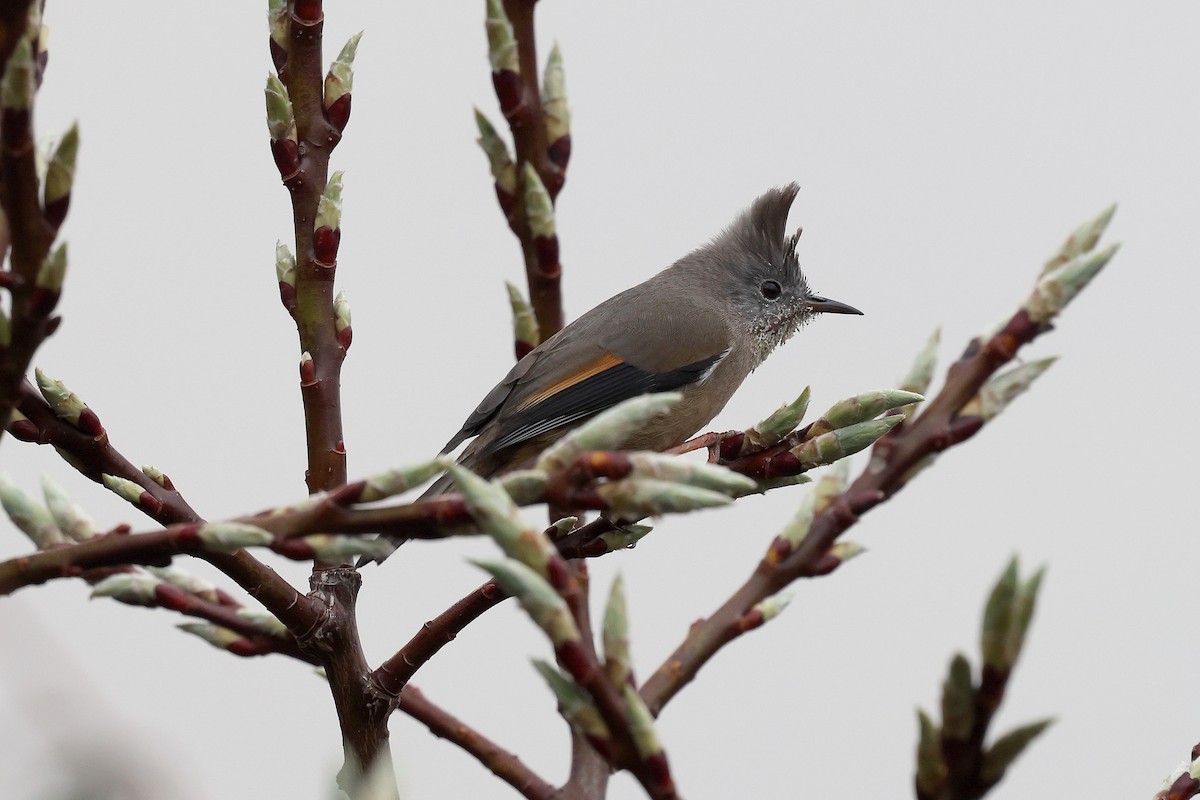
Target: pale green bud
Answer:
pixel 642 497
pixel 16 89
pixel 1004 751
pixel 1001 390
pixel 931 767
pixel 264 620
pixel 497 516
pixel 545 606
pixel 608 430
pixel 641 724
pixel 782 422
pixel 329 208
pixel 576 707
pixel 30 516
pixel 281 120
pixel 625 536
pixel 123 488
pixel 341 312
pixel 617 660
pixel 525 327
pixel 774 605
pixel 397 481
pixel 182 579
pixel 1058 287
pixel 1081 240
pixel 861 408
pixel 134 588
pixel 285 264
pixel 340 80
pixel 504 171
pixel 692 473
pixel 54 269
pixel 837 444
pixel 524 486
pixel 502 43
pixel 218 637
pixel 226 537
pixel 998 619
pixel 60 173
pixel 331 546
pixel 539 208
pixel 69 517
pixel 554 97
pixel 958 699
pixel 65 404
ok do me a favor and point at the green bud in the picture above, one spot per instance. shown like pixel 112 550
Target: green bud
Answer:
pixel 562 527
pixel 60 174
pixel 774 605
pixel 1058 287
pixel 1082 240
pixel 782 482
pixel 931 768
pixel 133 588
pixel 958 700
pixel 30 516
pixel 832 483
pixel 844 551
pixel 182 579
pixel 329 208
pixel 65 404
pixel 782 422
pixel 54 268
pixel 1004 751
pixel 277 20
pixel 16 89
pixel 920 374
pixel 340 80
pixel 218 637
pixel 643 497
pixel 226 537
pixel 692 473
pixel 797 528
pixel 5 329
pixel 554 97
pixel 545 606
pixel 837 444
pixel 625 536
pixel 617 660
pixel 503 170
pixel 861 408
pixel 264 620
pixel 123 488
pixel 539 208
pixel 397 481
pixel 641 724
pixel 1023 607
pixel 285 264
pixel 502 44
pixel 496 514
pixel 608 430
pixel 341 312
pixel 281 120
pixel 524 486
pixel 157 475
pixel 68 516
pixel 332 546
pixel 1001 390
pixel 525 327
pixel 998 620
pixel 573 702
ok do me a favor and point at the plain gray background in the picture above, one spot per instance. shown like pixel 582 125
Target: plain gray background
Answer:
pixel 944 151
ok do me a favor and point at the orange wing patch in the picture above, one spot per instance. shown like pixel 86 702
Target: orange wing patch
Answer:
pixel 606 361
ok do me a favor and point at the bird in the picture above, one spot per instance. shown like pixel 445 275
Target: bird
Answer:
pixel 698 327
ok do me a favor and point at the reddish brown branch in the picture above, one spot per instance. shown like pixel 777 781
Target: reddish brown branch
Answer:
pixel 29 233
pixel 894 457
pixel 502 763
pixel 520 99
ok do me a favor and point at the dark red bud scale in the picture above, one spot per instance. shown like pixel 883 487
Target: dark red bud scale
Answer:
pixel 557 573
pixel 244 648
pixel 307 11
pixel 24 430
pixel 149 503
pixel 1184 787
pixel 52 325
pixel 295 549
pixel 225 599
pixel 325 245
pixel 779 550
pixel 347 494
pixel 546 248
pixel 172 597
pixel 522 349
pixel 662 773
pixel 89 423
pixel 287 157
pixel 509 91
pixel 560 151
pixel 9 279
pixel 824 565
pixel 287 296
pixel 750 620
pixel 345 336
pixel 573 659
pixel 508 202
pixel 165 482
pixel 43 300
pixel 308 372
pixel 279 56
pixel 15 132
pixel 338 113
pixel 56 211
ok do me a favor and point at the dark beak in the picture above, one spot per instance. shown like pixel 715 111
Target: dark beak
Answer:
pixel 823 305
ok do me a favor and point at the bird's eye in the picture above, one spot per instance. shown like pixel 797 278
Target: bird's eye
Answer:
pixel 771 290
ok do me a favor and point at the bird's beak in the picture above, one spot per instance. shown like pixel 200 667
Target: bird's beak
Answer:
pixel 823 305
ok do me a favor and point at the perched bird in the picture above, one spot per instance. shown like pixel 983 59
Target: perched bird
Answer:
pixel 699 327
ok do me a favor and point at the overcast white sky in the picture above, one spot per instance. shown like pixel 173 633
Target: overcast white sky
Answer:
pixel 944 150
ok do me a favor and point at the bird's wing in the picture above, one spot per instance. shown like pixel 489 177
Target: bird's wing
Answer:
pixel 603 359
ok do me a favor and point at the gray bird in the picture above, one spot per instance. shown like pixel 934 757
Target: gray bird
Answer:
pixel 699 327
